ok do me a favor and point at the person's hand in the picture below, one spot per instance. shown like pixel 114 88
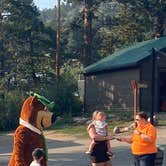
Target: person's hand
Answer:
pixel 110 137
pixel 121 139
pixel 137 132
pixel 118 139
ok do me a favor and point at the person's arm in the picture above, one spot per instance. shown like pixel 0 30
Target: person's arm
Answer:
pixel 93 135
pixel 125 139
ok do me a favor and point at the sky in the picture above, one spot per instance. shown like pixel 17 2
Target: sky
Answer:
pixel 43 4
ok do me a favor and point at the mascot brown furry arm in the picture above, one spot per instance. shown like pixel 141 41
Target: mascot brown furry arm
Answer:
pixel 28 135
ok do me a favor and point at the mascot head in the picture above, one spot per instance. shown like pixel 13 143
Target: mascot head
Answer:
pixel 35 111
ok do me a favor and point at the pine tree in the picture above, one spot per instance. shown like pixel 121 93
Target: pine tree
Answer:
pixel 27 44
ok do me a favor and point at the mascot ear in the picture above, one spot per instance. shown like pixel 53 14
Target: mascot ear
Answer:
pixel 34 100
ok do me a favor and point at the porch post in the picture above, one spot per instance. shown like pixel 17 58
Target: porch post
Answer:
pixel 153 84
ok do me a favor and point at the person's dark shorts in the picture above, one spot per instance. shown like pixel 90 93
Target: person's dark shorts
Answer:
pixel 99 153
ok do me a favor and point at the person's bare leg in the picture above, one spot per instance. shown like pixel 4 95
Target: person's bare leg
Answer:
pixel 98 164
pixel 91 146
pixel 109 147
pixel 108 163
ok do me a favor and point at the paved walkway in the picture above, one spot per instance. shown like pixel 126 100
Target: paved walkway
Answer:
pixel 69 150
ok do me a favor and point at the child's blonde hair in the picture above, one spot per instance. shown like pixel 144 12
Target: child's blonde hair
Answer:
pixel 99 114
pixel 94 115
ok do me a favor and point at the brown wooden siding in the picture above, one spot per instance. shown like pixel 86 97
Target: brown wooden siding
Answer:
pixel 110 90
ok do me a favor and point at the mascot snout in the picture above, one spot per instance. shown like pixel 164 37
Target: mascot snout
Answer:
pixel 44 119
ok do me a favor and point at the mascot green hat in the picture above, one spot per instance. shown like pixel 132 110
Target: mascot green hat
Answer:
pixel 50 105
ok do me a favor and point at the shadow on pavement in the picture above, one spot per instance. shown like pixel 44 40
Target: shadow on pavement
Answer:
pixel 61 144
pixel 69 159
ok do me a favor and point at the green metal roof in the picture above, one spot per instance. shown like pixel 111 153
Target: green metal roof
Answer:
pixel 127 57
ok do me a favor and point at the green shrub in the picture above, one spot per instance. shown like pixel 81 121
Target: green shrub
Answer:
pixel 10 110
pixel 63 93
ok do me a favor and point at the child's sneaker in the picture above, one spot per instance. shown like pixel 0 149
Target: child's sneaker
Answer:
pixel 88 152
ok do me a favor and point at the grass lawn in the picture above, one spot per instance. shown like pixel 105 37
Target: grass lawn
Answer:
pixel 79 130
pixel 66 125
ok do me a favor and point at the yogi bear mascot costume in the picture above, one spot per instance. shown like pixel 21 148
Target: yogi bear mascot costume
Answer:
pixel 28 135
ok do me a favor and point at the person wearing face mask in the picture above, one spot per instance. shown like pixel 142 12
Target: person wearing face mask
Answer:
pixel 143 141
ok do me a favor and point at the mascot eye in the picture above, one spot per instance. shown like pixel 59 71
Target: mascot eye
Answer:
pixel 42 123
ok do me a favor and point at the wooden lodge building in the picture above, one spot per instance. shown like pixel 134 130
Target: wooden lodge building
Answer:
pixel 108 81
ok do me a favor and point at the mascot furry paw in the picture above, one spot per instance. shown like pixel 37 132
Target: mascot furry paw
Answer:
pixel 28 135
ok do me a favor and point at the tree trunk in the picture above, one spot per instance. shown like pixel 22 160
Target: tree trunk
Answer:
pixel 1 48
pixel 58 39
pixel 160 20
pixel 87 32
pixel 1 58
